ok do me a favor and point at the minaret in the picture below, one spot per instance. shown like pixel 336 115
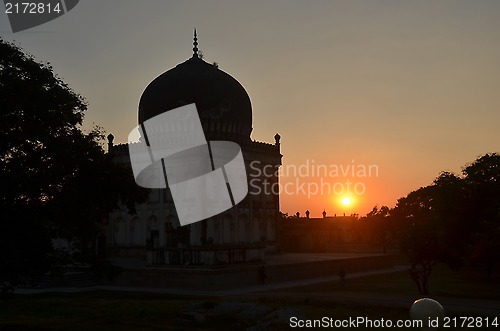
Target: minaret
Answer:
pixel 277 138
pixel 110 142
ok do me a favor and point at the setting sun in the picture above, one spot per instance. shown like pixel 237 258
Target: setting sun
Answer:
pixel 346 201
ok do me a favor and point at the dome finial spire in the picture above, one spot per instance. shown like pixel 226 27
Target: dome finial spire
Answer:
pixel 195 44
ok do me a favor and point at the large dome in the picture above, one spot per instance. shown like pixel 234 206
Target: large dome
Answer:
pixel 223 104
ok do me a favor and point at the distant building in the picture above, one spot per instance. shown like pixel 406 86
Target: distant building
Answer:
pixel 240 234
pixel 326 234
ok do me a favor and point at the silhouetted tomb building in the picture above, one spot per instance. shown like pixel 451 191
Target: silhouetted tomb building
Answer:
pixel 240 234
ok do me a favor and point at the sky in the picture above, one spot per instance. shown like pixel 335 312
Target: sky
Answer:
pixel 396 90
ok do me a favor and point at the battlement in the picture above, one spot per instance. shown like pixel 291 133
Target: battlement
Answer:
pixel 259 146
pixel 249 145
pixel 120 149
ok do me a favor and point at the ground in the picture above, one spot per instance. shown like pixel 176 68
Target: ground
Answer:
pixel 374 296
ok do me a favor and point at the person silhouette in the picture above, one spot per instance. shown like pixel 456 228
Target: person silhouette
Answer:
pixel 342 276
pixel 262 274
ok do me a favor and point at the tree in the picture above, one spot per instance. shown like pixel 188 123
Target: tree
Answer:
pixel 455 220
pixel 96 188
pixel 377 222
pixel 482 178
pixel 49 166
pixel 433 229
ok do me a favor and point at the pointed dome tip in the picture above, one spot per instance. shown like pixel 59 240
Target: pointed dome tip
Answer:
pixel 195 45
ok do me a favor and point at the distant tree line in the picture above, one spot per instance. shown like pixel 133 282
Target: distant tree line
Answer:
pixel 455 220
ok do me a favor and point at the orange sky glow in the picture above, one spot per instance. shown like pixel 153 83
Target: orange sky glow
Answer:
pixel 410 87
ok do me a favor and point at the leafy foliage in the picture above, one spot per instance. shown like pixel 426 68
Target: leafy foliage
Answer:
pixel 455 220
pixel 56 179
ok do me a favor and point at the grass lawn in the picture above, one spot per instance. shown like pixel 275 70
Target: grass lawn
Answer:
pixel 466 283
pixel 110 310
pixel 95 310
pixel 115 310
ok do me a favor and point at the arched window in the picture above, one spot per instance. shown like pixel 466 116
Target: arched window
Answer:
pixel 120 231
pixel 152 232
pixel 247 228
pixel 229 224
pixel 136 232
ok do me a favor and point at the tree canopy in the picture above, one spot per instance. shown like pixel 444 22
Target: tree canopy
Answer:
pixel 455 220
pixel 57 181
